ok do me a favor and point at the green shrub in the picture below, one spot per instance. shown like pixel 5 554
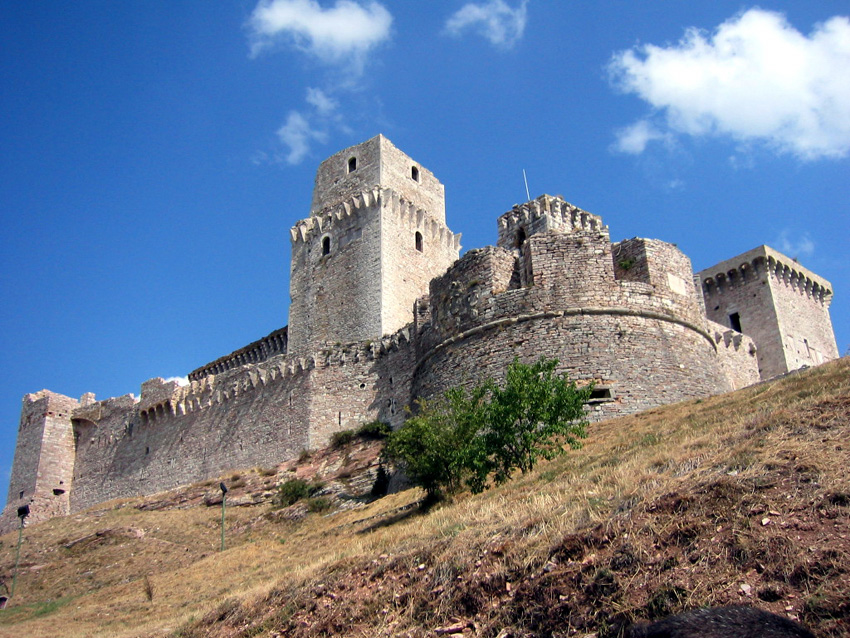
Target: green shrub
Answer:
pixel 374 430
pixel 318 504
pixel 341 438
pixel 291 492
pixel 439 445
pixel 470 438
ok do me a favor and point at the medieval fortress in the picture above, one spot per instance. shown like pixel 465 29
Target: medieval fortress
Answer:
pixel 383 312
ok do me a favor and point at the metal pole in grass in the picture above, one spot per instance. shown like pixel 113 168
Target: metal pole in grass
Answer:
pixel 23 512
pixel 223 488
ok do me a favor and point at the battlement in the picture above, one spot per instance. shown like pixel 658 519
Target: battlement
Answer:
pixel 751 265
pixel 324 223
pixel 544 214
pixel 415 218
pixel 781 304
pixel 260 350
pixel 160 398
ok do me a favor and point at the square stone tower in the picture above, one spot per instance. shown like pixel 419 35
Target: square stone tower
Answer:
pixel 375 238
pixel 43 468
pixel 782 306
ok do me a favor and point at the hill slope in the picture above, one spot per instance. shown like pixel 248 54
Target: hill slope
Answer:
pixel 740 498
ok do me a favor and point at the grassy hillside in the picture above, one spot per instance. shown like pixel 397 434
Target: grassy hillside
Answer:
pixel 741 498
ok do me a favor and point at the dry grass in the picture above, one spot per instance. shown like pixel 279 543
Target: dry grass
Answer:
pixel 658 512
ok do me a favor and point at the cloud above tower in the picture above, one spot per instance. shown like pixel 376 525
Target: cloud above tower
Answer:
pixel 342 34
pixel 495 21
pixel 754 79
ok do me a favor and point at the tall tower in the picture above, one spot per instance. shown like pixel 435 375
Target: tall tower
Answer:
pixel 375 238
pixel 44 459
pixel 782 306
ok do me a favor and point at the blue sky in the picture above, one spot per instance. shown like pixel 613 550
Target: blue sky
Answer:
pixel 155 154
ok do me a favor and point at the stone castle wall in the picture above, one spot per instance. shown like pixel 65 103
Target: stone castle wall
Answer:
pixel 803 307
pixel 417 247
pixel 383 313
pixel 272 344
pixel 256 415
pixel 736 353
pixel 554 292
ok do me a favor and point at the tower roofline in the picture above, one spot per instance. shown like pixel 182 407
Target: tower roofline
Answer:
pixel 768 254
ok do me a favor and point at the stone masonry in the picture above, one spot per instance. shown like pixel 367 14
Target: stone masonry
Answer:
pixel 383 313
pixel 783 306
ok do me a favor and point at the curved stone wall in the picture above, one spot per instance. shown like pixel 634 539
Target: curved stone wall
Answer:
pixel 640 336
pixel 641 361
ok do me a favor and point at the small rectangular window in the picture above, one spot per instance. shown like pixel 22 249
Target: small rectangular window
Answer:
pixel 600 395
pixel 735 322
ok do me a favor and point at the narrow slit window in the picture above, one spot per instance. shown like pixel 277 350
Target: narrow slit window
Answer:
pixel 414 173
pixel 735 322
pixel 352 164
pixel 520 237
pixel 326 246
pixel 418 241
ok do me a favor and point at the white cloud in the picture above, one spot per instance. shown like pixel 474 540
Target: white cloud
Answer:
pixel 297 134
pixel 755 79
pixel 633 139
pixel 495 20
pixel 798 246
pixel 181 381
pixel 344 33
pixel 323 103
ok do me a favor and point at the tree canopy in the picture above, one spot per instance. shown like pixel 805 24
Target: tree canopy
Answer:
pixel 472 438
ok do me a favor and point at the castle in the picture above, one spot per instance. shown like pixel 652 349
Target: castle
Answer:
pixel 383 312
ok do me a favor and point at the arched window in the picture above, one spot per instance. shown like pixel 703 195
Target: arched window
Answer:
pixel 418 241
pixel 326 246
pixel 352 164
pixel 414 173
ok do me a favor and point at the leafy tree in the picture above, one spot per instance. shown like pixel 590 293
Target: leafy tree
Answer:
pixel 532 416
pixel 438 444
pixel 467 438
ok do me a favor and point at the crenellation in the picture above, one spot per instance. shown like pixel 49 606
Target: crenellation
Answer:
pixel 544 214
pixel 384 311
pixel 782 305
